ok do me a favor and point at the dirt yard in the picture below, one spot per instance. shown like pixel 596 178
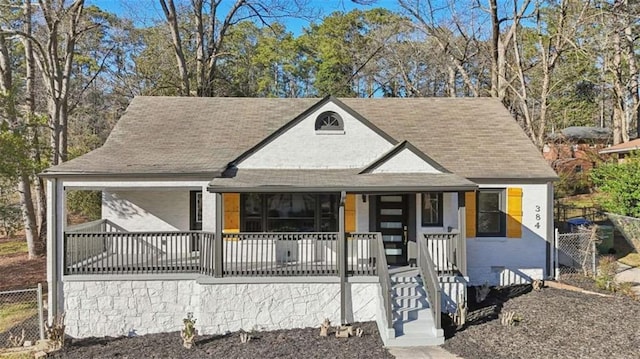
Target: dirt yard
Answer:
pixel 18 272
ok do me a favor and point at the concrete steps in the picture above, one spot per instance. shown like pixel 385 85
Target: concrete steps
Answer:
pixel 412 318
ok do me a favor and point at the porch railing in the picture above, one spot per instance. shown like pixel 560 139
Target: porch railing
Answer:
pixel 98 226
pixel 447 251
pixel 243 254
pixel 132 252
pixel 294 254
pixel 383 278
pixel 430 281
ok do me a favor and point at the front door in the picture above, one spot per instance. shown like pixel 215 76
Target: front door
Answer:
pixel 391 221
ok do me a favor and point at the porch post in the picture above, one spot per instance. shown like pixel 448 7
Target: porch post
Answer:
pixel 342 259
pixel 218 240
pixel 462 228
pixel 55 254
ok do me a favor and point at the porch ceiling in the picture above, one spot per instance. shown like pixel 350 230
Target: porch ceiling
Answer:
pixel 336 180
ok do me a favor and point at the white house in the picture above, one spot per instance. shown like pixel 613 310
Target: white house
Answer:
pixel 278 213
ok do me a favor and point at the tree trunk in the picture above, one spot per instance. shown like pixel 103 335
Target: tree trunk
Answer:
pixel 618 88
pixel 630 55
pixel 28 215
pixel 40 213
pixel 495 43
pixel 169 10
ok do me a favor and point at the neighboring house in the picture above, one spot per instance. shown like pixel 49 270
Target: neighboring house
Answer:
pixel 278 213
pixel 575 149
pixel 622 150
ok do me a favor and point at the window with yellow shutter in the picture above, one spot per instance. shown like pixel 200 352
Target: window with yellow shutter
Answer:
pixel 490 212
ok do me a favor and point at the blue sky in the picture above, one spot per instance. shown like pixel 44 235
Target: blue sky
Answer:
pixel 146 11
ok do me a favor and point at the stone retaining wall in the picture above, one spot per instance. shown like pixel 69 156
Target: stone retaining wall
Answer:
pixel 115 308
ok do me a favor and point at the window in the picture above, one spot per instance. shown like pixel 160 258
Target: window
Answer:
pixel 196 210
pixel 491 220
pixel 432 209
pixel 289 212
pixel 329 121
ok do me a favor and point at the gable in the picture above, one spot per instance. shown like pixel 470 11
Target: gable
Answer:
pixel 404 158
pixel 304 144
pixel 405 161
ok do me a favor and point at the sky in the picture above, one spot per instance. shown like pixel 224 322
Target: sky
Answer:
pixel 145 12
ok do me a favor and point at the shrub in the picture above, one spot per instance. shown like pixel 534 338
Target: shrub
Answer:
pixel 621 184
pixel 607 269
pixel 85 203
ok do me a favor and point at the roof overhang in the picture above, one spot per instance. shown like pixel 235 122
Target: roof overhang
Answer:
pixel 336 180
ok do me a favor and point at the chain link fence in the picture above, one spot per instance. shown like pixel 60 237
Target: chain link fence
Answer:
pixel 21 317
pixel 576 253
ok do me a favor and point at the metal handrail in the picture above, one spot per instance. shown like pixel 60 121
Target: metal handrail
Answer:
pixel 430 281
pixel 384 279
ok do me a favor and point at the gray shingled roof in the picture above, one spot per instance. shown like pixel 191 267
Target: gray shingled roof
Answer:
pixel 332 180
pixel 471 137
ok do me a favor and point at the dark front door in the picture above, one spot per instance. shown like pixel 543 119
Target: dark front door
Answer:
pixel 392 221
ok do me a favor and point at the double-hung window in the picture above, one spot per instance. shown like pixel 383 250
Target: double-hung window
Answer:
pixel 491 220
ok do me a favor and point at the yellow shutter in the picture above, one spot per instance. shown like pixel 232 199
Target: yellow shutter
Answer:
pixel 350 213
pixel 470 218
pixel 514 212
pixel 231 212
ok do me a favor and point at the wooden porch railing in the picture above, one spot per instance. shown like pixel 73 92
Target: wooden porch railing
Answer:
pixel 98 226
pixel 448 252
pixel 383 278
pixel 430 281
pixel 132 252
pixel 88 251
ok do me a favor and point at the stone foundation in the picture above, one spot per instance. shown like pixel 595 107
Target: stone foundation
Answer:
pixel 115 308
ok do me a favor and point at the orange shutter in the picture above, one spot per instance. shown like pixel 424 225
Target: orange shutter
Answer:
pixel 514 212
pixel 231 212
pixel 470 218
pixel 350 213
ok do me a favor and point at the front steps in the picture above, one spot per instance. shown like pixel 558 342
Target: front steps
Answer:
pixel 413 323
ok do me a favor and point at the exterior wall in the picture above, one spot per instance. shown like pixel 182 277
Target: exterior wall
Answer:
pixel 362 214
pixel 151 205
pixel 147 210
pixel 405 161
pixel 504 261
pixel 116 308
pixel 302 147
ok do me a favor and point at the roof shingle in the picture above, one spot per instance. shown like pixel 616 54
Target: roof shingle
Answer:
pixel 472 137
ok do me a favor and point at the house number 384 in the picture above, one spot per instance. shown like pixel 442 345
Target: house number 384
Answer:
pixel 538 216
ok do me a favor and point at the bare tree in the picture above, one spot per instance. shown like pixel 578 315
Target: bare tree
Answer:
pixel 449 45
pixel 211 30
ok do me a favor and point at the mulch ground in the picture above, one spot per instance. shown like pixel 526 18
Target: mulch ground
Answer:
pixel 555 324
pixel 297 343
